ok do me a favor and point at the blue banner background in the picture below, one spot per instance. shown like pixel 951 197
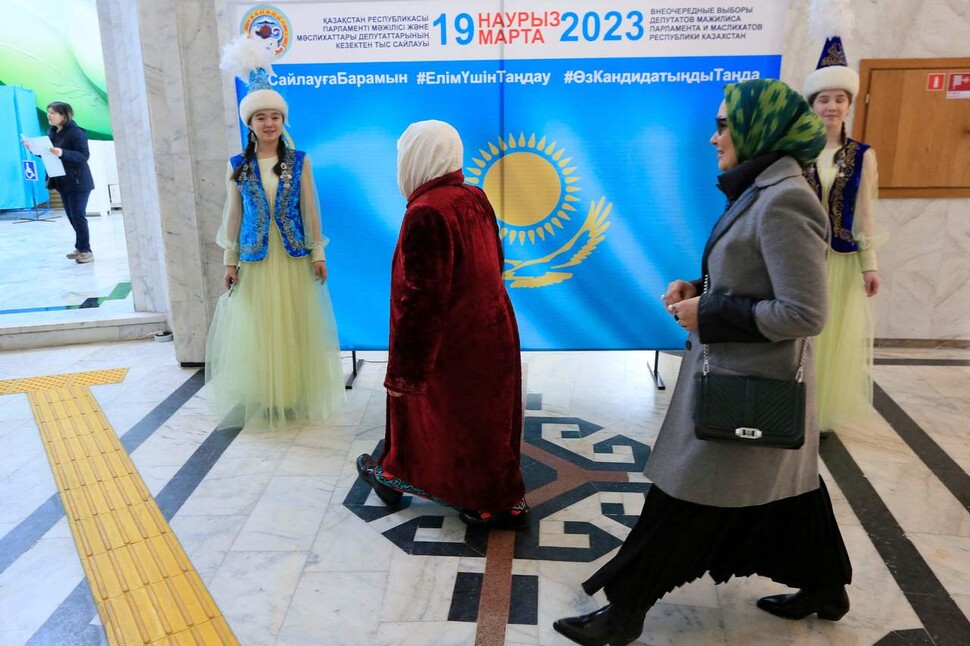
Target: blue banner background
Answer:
pixel 644 148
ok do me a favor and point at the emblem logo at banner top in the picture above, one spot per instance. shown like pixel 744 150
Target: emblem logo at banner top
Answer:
pixel 270 25
pixel 535 193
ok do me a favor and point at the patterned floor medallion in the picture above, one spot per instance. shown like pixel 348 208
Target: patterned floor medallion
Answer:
pixel 576 473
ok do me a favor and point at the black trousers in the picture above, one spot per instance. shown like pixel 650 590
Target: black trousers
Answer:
pixel 795 541
pixel 76 205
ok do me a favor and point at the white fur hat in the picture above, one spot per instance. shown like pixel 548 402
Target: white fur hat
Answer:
pixel 252 62
pixel 258 100
pixel 832 71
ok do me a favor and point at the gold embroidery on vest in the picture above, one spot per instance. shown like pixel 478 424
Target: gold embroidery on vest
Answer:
pixel 283 206
pixel 811 176
pixel 846 166
pixel 249 183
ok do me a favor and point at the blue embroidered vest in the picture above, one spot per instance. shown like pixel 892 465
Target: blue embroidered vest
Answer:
pixel 254 231
pixel 843 194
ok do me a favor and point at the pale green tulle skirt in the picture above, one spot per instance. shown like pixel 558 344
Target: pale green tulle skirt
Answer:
pixel 272 357
pixel 844 349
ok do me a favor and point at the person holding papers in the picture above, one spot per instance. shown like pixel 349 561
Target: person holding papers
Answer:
pixel 70 144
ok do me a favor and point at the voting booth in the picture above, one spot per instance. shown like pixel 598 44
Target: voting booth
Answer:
pixel 21 174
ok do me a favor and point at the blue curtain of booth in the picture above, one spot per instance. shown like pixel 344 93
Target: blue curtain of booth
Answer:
pixel 640 167
pixel 18 114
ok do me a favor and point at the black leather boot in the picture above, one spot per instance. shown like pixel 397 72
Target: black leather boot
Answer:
pixel 604 626
pixel 365 469
pixel 828 603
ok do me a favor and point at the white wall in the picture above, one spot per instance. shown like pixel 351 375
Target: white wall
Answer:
pixel 104 169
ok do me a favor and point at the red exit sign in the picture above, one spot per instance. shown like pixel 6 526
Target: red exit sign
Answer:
pixel 959 87
pixel 959 82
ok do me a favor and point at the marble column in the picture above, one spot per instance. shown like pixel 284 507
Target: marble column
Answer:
pixel 135 152
pixel 172 127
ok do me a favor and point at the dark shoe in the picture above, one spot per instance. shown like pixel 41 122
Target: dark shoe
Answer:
pixel 600 628
pixel 824 433
pixel 365 469
pixel 828 603
pixel 516 519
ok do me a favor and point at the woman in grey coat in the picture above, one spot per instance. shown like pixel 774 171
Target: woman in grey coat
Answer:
pixel 722 508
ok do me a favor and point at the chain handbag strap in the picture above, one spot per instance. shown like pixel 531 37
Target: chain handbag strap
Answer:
pixel 799 375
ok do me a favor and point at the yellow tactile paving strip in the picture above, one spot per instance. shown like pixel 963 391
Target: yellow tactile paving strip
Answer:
pixel 144 585
pixel 91 378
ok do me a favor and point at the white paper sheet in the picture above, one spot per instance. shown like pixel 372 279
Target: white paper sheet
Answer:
pixel 41 146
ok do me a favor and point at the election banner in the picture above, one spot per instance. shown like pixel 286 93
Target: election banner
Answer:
pixel 587 124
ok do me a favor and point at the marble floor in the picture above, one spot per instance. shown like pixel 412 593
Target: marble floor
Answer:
pixel 59 289
pixel 296 550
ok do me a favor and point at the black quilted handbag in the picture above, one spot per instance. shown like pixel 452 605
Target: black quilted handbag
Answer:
pixel 753 411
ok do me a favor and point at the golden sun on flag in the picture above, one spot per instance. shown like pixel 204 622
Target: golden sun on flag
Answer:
pixel 529 183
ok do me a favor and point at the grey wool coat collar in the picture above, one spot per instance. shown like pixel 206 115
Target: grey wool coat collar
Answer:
pixel 768 177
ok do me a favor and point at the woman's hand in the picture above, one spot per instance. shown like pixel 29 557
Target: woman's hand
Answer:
pixel 394 393
pixel 872 281
pixel 57 152
pixel 678 291
pixel 26 143
pixel 231 277
pixel 685 312
pixel 320 271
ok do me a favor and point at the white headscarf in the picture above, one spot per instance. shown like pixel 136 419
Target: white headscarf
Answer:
pixel 427 150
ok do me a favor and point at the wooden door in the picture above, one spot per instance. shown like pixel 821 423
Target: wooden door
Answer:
pixel 919 129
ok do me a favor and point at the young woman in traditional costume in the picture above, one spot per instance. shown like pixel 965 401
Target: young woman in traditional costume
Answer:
pixel 846 181
pixel 272 352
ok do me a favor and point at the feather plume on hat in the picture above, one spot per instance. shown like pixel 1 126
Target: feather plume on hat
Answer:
pixel 830 18
pixel 252 62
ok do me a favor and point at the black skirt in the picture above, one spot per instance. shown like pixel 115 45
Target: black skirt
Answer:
pixel 794 541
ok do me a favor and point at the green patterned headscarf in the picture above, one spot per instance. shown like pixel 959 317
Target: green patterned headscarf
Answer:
pixel 766 115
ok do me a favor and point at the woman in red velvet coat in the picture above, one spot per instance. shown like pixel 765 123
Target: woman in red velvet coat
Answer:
pixel 454 376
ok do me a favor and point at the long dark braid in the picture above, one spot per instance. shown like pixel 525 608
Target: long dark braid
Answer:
pixel 839 158
pixel 249 157
pixel 280 156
